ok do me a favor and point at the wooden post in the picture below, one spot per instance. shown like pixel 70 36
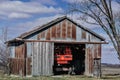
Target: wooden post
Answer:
pixel 97 68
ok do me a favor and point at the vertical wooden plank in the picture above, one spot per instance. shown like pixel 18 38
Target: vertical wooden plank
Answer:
pixel 32 59
pixel 95 51
pixel 69 29
pixel 97 68
pixel 53 32
pixel 42 35
pixel 39 57
pixel 47 70
pixel 58 32
pixel 20 50
pixel 39 36
pixel 44 59
pixel 83 34
pixel 35 71
pixel 64 29
pixel 89 39
pixel 99 51
pixel 73 32
pixel 19 60
pixel 17 66
pixel 48 34
pixel 89 59
pixel 16 51
pixel 51 58
pixel 28 66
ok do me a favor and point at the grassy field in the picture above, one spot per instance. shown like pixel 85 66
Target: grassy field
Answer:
pixel 62 77
pixel 108 74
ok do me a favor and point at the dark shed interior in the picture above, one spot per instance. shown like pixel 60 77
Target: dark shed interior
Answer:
pixel 69 58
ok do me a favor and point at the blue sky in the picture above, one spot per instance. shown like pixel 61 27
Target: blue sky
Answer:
pixel 20 16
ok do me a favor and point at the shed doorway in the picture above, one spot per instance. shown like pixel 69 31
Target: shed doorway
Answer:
pixel 69 59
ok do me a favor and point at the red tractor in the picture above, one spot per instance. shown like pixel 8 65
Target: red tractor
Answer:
pixel 62 59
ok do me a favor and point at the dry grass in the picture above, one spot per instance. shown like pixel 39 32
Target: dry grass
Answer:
pixel 108 74
pixel 110 71
pixel 62 77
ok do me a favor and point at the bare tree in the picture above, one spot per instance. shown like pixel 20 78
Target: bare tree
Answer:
pixel 103 14
pixel 4 53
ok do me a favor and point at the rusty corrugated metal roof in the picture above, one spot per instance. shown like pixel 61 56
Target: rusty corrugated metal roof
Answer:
pixel 49 24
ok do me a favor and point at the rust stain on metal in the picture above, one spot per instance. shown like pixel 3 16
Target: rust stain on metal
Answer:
pixel 53 31
pixel 48 34
pixel 42 34
pixel 58 28
pixel 64 29
pixel 73 31
pixel 83 34
pixel 69 29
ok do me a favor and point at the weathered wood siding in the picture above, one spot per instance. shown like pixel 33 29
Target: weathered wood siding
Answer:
pixel 20 50
pixel 42 57
pixel 93 51
pixel 97 68
pixel 17 66
pixel 17 62
pixel 28 66
pixel 65 31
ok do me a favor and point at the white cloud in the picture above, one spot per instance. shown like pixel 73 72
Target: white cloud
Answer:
pixel 19 15
pixel 73 1
pixel 38 22
pixel 48 2
pixel 13 9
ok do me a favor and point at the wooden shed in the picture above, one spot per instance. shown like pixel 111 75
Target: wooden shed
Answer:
pixel 33 53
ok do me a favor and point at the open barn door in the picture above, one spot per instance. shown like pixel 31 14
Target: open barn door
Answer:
pixel 69 58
